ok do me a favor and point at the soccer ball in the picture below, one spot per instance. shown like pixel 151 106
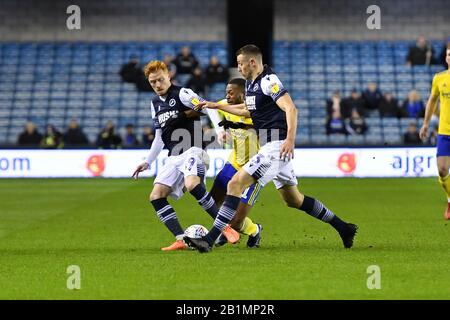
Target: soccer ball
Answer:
pixel 195 231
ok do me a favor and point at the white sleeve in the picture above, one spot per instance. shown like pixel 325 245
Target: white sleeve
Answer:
pixel 272 86
pixel 213 114
pixel 189 98
pixel 155 149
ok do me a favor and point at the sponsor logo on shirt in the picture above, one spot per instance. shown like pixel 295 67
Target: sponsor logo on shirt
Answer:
pixel 163 117
pixel 250 102
pixel 274 88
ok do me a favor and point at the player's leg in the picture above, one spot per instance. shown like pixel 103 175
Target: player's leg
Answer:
pixel 236 186
pixel 253 171
pixel 167 215
pixel 219 188
pixel 443 164
pixel 294 199
pixel 242 222
pixel 194 171
pixel 193 167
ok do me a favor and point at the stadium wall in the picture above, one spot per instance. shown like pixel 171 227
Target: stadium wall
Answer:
pixel 114 20
pixel 309 162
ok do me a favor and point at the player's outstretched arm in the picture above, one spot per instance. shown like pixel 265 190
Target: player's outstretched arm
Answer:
pixel 236 109
pixel 155 149
pixel 429 110
pixel 287 105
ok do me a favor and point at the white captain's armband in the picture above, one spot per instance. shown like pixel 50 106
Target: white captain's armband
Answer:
pixel 189 98
pixel 272 86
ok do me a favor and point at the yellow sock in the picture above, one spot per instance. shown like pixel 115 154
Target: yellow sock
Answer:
pixel 248 227
pixel 445 183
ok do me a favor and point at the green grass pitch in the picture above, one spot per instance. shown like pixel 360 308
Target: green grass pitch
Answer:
pixel 108 228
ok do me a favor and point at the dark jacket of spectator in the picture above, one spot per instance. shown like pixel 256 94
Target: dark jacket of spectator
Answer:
pixel 412 135
pixel 148 136
pixel 420 54
pixel 197 82
pixel 215 72
pixel 52 138
pixel 30 136
pixel 371 96
pixel 107 139
pixel 74 136
pixel 354 102
pixel 185 61
pixel 131 71
pixel 142 83
pixel 356 124
pixel 388 107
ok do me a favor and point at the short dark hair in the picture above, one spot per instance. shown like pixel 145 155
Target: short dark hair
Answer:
pixel 448 45
pixel 239 82
pixel 249 49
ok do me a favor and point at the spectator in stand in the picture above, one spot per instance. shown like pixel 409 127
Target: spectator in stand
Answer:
pixel 334 103
pixel 413 105
pixel 107 138
pixel 185 61
pixel 389 107
pixel 420 54
pixel 353 102
pixel 130 140
pixel 30 136
pixel 168 60
pixel 74 136
pixel 148 136
pixel 372 96
pixel 142 83
pixel 336 124
pixel 197 82
pixel 52 138
pixel 444 54
pixel 131 71
pixel 432 140
pixel 411 136
pixel 356 124
pixel 215 72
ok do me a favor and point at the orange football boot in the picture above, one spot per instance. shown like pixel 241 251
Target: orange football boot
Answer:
pixel 231 234
pixel 177 245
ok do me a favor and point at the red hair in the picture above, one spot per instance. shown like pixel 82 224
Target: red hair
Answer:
pixel 154 66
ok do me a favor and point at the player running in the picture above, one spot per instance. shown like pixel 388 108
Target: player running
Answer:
pixel 245 145
pixel 274 116
pixel 185 168
pixel 440 88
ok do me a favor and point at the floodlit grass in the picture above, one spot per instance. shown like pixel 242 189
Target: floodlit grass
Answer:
pixel 108 228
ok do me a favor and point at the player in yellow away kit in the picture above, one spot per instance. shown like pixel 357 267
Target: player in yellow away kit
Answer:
pixel 245 145
pixel 440 88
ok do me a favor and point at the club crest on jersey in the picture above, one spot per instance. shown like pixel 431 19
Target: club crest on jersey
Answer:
pixel 172 102
pixel 255 87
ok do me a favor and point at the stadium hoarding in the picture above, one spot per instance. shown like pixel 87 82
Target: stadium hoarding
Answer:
pixel 308 162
